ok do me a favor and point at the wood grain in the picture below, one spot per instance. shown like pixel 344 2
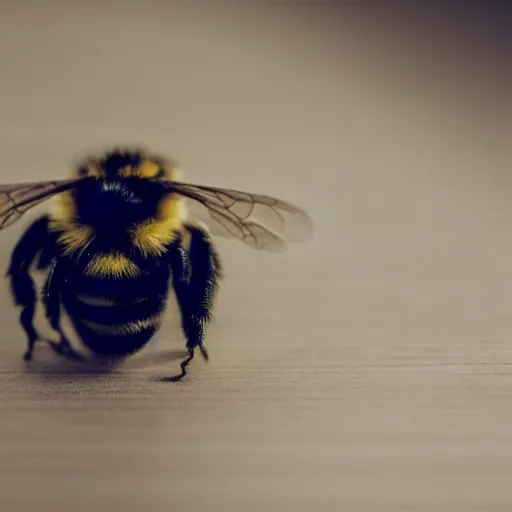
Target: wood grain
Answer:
pixel 370 370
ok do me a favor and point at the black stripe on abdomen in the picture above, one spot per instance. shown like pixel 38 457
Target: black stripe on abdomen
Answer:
pixel 113 345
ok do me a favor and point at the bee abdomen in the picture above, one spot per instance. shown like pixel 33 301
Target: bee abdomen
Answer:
pixel 116 316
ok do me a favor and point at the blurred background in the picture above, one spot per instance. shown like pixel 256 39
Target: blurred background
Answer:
pixel 368 370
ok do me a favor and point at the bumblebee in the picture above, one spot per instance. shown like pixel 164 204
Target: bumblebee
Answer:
pixel 119 234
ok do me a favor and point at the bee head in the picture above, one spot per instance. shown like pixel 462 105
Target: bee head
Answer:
pixel 120 164
pixel 122 191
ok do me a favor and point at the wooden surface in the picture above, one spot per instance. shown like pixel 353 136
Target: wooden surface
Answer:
pixel 369 370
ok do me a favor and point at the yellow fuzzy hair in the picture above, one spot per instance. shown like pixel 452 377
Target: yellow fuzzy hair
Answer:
pixel 72 236
pixel 152 236
pixel 147 169
pixel 114 264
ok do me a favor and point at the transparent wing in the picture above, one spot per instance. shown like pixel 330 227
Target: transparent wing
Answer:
pixel 260 221
pixel 17 198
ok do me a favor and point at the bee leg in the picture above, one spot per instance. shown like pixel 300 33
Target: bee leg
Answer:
pixel 195 281
pixel 183 365
pixel 26 320
pixel 35 239
pixel 52 303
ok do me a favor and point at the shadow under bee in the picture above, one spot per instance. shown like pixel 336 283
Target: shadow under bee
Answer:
pixel 50 365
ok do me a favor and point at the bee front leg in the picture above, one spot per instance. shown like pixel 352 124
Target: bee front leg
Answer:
pixel 195 281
